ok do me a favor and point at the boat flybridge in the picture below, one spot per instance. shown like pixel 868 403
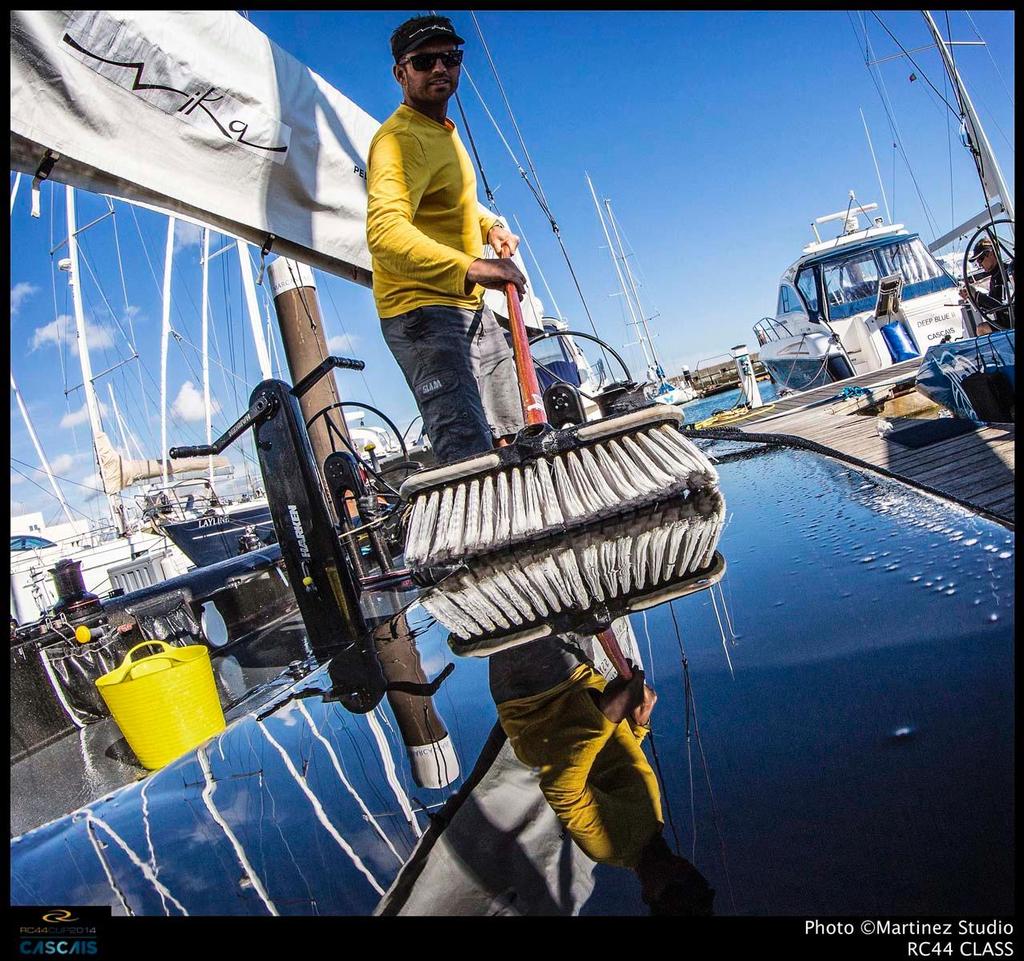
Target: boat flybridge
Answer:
pixel 870 298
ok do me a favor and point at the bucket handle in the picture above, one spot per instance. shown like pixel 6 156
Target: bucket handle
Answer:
pixel 165 648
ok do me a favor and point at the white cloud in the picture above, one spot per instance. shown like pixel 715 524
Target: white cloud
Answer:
pixel 343 344
pixel 20 293
pixel 62 463
pixel 94 481
pixel 17 479
pixel 186 235
pixel 62 331
pixel 81 416
pixel 188 405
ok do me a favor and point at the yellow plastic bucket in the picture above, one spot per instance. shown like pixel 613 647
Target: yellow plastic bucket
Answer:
pixel 165 704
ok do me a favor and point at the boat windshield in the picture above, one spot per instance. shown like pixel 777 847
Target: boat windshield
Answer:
pixel 851 282
pixel 554 362
pixel 24 542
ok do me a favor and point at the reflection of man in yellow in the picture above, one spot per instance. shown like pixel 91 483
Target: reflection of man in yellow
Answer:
pixel 584 737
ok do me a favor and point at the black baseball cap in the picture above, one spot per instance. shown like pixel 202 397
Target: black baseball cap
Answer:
pixel 981 248
pixel 411 34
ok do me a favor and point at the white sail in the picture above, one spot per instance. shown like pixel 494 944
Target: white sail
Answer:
pixel 198 113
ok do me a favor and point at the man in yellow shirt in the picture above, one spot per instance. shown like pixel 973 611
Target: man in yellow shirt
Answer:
pixel 426 230
pixel 583 736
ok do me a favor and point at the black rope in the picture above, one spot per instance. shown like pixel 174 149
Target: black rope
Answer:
pixel 664 791
pixel 476 156
pixel 704 761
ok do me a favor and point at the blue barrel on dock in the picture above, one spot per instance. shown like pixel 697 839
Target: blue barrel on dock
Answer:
pixel 899 343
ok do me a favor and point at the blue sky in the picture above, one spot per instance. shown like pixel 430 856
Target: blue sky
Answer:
pixel 718 137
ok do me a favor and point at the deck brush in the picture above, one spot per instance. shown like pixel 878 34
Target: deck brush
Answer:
pixel 580 582
pixel 554 480
pixel 547 480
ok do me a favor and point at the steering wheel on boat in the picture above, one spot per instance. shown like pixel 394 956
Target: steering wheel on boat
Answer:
pixel 995 305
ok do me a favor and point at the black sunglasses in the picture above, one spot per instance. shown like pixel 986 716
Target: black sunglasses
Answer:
pixel 426 61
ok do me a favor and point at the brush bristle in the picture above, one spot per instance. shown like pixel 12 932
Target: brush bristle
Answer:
pixel 629 556
pixel 481 514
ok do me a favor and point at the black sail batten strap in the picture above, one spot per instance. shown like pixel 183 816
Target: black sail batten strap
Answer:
pixel 42 173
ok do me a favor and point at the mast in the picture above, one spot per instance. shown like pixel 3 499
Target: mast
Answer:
pixel 120 423
pixel 14 190
pixel 991 176
pixel 615 263
pixel 878 172
pixel 249 286
pixel 165 334
pixel 636 296
pixel 206 344
pixel 91 403
pixel 39 450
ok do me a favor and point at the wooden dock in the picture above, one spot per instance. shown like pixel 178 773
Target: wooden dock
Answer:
pixel 975 469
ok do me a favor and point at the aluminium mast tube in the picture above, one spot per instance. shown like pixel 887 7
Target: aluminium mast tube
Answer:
pixel 615 264
pixel 91 403
pixel 249 286
pixel 206 346
pixel 39 450
pixel 989 174
pixel 632 284
pixel 878 172
pixel 165 334
pixel 117 419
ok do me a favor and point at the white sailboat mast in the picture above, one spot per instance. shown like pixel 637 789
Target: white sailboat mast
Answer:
pixel 206 343
pixel 39 450
pixel 249 286
pixel 91 403
pixel 615 263
pixel 632 283
pixel 991 176
pixel 120 423
pixel 165 334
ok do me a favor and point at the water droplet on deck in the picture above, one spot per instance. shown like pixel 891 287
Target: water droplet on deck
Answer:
pixel 1003 555
pixel 993 618
pixel 971 541
pixel 902 733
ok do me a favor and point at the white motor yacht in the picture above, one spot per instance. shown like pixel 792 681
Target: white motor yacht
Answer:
pixel 863 301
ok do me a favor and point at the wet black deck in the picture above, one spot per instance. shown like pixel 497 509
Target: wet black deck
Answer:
pixel 975 469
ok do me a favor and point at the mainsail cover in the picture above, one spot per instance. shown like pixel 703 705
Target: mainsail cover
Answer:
pixel 198 113
pixel 119 472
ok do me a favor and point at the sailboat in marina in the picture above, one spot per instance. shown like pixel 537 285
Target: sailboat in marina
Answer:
pixel 306 641
pixel 659 387
pixel 163 517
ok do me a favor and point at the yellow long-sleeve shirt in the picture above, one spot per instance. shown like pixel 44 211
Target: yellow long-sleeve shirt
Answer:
pixel 593 773
pixel 424 225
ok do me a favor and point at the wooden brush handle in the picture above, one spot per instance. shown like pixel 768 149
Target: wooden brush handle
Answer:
pixel 610 643
pixel 526 373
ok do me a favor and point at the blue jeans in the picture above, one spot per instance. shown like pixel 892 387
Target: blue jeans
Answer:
pixel 460 369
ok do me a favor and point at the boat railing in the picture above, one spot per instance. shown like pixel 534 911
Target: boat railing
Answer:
pixel 768 329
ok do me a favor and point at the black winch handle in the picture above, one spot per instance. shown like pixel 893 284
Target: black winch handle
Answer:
pixel 325 366
pixel 262 407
